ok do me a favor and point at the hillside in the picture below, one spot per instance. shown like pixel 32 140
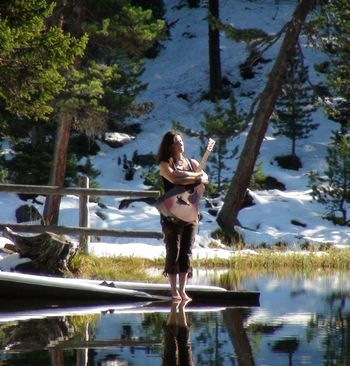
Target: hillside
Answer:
pixel 177 79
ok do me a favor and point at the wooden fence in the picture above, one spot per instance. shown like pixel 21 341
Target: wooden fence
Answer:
pixel 84 192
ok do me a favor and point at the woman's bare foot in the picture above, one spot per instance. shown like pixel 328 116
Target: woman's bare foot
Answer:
pixel 176 296
pixel 184 296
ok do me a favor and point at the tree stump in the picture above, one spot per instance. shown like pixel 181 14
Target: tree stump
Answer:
pixel 49 253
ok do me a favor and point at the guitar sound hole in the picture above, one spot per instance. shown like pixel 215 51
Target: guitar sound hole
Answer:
pixel 181 201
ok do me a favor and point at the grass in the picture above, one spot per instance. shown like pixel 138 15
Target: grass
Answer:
pixel 263 261
pixel 112 268
pixel 269 261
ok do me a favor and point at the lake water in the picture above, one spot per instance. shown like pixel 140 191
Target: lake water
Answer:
pixel 300 321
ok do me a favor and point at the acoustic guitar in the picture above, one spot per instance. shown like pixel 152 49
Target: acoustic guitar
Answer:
pixel 182 202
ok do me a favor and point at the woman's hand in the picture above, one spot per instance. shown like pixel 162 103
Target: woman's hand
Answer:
pixel 202 178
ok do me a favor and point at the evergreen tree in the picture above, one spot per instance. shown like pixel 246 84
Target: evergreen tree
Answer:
pixel 41 40
pixel 33 58
pixel 295 105
pixel 333 189
pixel 102 86
pixel 45 73
pixel 221 126
pixel 336 21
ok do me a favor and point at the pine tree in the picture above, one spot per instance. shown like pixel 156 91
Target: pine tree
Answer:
pixel 221 126
pixel 333 189
pixel 337 23
pixel 102 87
pixel 295 105
pixel 33 58
pixel 76 63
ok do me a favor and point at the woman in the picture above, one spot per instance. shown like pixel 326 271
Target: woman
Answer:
pixel 179 236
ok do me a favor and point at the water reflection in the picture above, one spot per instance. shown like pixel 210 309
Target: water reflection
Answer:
pixel 300 321
pixel 234 319
pixel 177 343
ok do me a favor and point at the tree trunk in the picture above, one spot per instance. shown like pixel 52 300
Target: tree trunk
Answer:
pixel 58 170
pixel 227 217
pixel 214 54
pixel 37 136
pixel 50 254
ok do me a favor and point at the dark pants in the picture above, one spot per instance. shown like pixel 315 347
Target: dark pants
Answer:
pixel 179 238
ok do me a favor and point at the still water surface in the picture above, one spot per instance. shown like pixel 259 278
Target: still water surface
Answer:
pixel 300 321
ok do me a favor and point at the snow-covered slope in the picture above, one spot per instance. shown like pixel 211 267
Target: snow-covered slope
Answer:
pixel 182 68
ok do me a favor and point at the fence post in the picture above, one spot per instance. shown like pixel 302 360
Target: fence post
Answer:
pixel 84 214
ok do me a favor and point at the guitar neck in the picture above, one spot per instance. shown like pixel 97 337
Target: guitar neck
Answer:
pixel 203 161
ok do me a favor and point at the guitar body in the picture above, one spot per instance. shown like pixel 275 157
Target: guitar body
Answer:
pixel 182 202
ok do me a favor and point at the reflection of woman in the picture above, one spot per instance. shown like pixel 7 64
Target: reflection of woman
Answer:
pixel 177 345
pixel 179 236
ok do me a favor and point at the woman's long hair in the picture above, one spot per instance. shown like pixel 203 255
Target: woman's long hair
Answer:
pixel 164 152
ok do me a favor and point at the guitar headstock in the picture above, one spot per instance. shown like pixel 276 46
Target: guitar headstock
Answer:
pixel 211 144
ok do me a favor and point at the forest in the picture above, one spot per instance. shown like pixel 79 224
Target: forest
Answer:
pixel 70 71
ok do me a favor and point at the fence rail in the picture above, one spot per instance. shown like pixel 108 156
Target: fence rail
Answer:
pixel 84 231
pixel 71 230
pixel 76 191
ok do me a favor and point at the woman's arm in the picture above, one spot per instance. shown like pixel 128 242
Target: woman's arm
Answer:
pixel 204 175
pixel 178 177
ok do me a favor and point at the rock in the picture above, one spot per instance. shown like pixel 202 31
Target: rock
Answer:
pixel 272 183
pixel 297 223
pixel 117 139
pixel 27 213
pixel 144 159
pixel 101 215
pixel 102 205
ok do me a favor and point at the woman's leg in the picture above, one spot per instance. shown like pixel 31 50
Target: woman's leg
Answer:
pixel 172 238
pixel 182 286
pixel 187 241
pixel 174 292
